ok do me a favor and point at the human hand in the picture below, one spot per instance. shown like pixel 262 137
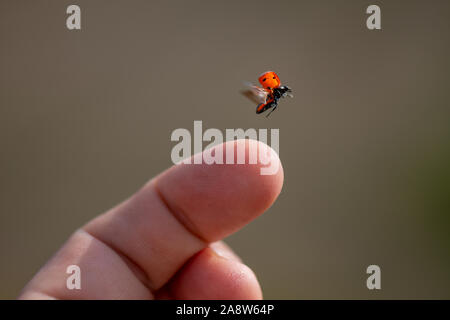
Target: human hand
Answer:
pixel 164 241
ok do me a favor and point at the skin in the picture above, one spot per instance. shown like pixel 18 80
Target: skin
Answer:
pixel 164 242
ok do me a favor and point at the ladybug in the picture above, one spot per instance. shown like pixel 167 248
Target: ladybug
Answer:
pixel 270 93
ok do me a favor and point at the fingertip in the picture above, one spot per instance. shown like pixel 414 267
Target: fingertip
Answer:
pixel 223 250
pixel 215 200
pixel 267 174
pixel 209 276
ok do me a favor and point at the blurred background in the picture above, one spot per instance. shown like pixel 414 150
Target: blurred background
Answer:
pixel 86 118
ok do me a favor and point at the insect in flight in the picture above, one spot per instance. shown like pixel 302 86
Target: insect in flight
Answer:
pixel 271 92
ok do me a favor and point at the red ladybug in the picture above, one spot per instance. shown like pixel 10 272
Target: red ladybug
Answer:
pixel 270 93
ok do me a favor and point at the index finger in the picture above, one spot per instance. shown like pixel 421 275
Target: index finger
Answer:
pixel 181 211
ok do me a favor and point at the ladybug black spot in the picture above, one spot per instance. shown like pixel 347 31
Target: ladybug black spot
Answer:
pixel 264 79
pixel 274 77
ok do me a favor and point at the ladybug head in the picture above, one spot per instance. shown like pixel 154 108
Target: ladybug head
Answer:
pixel 269 80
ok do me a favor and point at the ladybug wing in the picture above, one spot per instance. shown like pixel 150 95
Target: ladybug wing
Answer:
pixel 256 94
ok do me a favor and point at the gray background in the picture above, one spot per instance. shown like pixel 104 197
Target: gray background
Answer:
pixel 86 118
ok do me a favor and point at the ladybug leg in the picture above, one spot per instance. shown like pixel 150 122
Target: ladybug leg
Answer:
pixel 274 107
